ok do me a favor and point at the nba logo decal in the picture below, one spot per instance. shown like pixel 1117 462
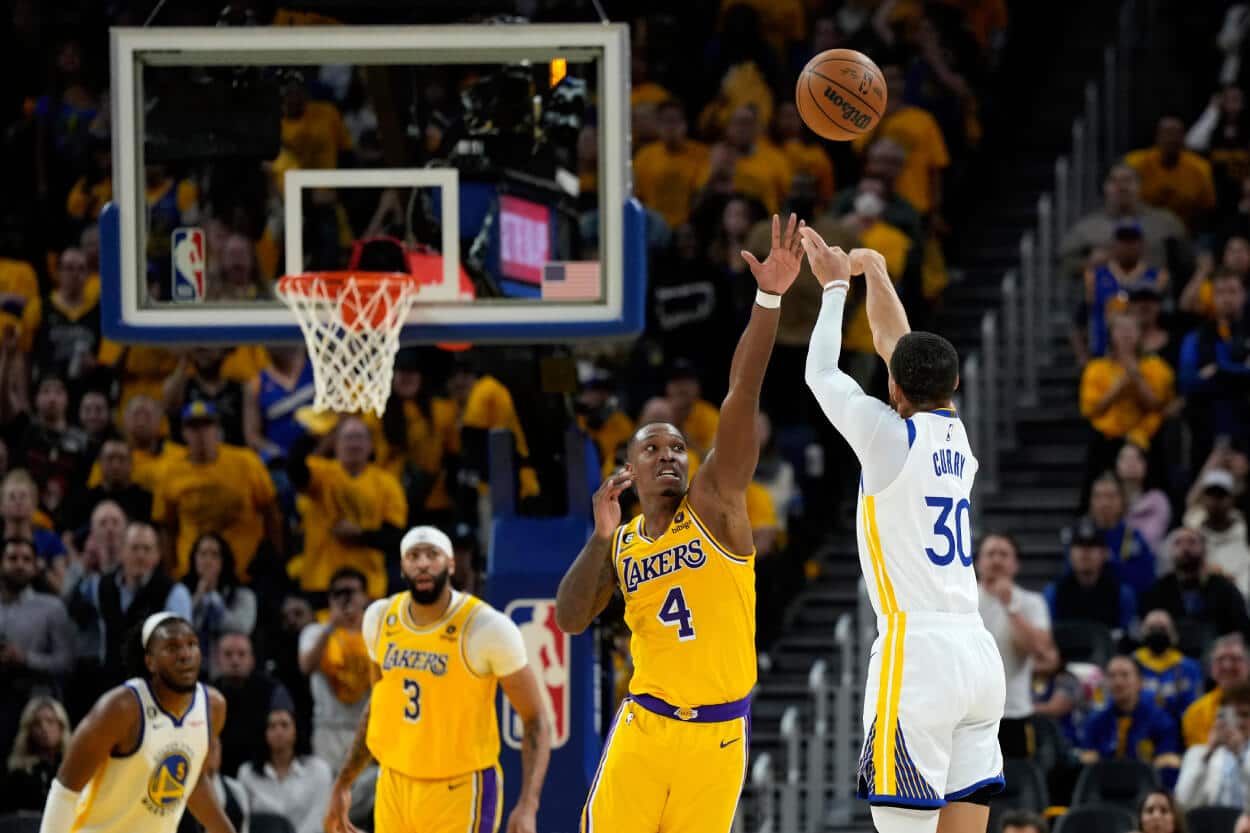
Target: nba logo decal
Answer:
pixel 187 251
pixel 549 652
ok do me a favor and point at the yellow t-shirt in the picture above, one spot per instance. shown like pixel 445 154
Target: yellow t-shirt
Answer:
pixel 918 134
pixel 765 175
pixel 17 277
pixel 1188 189
pixel 677 586
pixel 227 496
pixel 1126 417
pixel 760 509
pixel 813 161
pixel 895 245
pixel 85 202
pixel 315 139
pixel 490 406
pixel 616 429
pixel 648 92
pixel 143 372
pixel 700 426
pixel 669 181
pixel 1198 719
pixel 245 363
pixel 145 467
pixel 368 500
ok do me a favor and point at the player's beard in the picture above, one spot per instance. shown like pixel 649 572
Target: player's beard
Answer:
pixel 174 685
pixel 429 597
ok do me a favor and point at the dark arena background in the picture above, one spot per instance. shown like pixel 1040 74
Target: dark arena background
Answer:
pixel 1061 189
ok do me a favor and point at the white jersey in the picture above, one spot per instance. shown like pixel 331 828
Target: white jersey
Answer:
pixel 147 791
pixel 915 534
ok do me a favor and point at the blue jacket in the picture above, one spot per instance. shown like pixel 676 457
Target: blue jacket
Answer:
pixel 1146 734
pixel 1172 678
pixel 1131 557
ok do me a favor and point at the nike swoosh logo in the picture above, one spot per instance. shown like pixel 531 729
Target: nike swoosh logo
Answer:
pixel 725 743
pixel 456 786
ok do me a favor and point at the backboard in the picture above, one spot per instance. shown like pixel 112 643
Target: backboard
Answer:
pixel 490 160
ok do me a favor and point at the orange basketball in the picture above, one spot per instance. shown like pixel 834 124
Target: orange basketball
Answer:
pixel 840 94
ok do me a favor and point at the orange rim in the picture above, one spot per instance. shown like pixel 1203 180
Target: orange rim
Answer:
pixel 331 284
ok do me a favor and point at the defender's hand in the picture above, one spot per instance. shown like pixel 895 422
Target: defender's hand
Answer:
pixel 781 266
pixel 829 263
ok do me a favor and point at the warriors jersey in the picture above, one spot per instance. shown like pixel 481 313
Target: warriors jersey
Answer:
pixel 690 604
pixel 432 715
pixel 146 791
pixel 915 535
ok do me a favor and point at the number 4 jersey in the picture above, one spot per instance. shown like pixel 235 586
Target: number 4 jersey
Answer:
pixel 432 715
pixel 690 605
pixel 915 535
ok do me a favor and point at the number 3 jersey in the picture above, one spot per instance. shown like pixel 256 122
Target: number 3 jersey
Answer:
pixel 432 715
pixel 147 790
pixel 915 535
pixel 690 605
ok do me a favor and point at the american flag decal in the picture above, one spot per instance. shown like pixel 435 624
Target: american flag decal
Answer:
pixel 576 280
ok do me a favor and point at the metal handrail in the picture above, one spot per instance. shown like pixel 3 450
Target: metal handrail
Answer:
pixel 817 744
pixel 1092 122
pixel 1063 206
pixel 1043 276
pixel 1017 345
pixel 790 785
pixel 989 398
pixel 764 786
pixel 1076 198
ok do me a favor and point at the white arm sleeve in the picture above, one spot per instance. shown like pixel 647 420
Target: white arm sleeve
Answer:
pixel 371 625
pixel 493 644
pixel 60 809
pixel 876 434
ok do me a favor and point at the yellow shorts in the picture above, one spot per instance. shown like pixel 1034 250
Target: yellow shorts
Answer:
pixel 472 802
pixel 663 775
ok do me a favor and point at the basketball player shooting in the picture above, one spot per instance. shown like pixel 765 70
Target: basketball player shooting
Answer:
pixel 676 753
pixel 931 758
pixel 135 762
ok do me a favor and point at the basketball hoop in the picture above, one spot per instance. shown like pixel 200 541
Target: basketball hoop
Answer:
pixel 351 323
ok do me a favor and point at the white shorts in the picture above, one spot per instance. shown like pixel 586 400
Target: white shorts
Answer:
pixel 932 704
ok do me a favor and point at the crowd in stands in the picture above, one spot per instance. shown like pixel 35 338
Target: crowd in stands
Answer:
pixel 137 478
pixel 1136 653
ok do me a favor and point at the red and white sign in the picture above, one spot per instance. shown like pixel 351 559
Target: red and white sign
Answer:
pixel 524 239
pixel 548 649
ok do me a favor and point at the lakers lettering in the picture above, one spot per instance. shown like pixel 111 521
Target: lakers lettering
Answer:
pixel 637 572
pixel 850 112
pixel 946 461
pixel 413 660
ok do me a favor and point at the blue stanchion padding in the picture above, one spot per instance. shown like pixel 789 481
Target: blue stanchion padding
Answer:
pixel 527 560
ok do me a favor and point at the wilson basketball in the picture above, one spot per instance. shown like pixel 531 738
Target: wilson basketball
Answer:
pixel 840 94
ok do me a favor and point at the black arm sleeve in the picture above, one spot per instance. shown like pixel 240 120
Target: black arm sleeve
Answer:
pixel 297 461
pixel 385 538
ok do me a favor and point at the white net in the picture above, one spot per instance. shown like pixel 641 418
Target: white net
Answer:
pixel 351 323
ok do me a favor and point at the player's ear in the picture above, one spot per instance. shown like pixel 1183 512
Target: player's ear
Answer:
pixel 956 382
pixel 451 564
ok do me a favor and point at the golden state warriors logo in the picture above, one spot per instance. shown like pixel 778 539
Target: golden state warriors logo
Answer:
pixel 167 786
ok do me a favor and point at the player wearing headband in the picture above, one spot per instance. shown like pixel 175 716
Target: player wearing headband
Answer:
pixel 438 656
pixel 134 763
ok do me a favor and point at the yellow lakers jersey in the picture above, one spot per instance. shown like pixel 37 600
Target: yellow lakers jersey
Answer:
pixel 431 716
pixel 690 604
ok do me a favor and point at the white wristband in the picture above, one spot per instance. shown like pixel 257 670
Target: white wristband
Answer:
pixel 767 300
pixel 843 285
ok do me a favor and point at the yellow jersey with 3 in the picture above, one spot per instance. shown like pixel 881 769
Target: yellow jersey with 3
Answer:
pixel 690 605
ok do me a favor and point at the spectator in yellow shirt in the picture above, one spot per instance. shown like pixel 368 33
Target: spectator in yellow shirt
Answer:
pixel 1124 395
pixel 214 488
pixel 313 132
pixel 599 416
pixel 1175 178
pixel 149 451
pixel 20 304
pixel 805 156
pixel 697 418
pixel 1230 665
pixel 490 406
pixel 354 512
pixel 669 172
pixel 917 132
pixel 758 169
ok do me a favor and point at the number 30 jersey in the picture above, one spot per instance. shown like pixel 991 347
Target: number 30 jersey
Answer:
pixel 690 605
pixel 915 535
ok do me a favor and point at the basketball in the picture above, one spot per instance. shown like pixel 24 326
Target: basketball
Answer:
pixel 840 94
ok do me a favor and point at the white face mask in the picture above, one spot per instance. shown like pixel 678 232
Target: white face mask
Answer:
pixel 869 205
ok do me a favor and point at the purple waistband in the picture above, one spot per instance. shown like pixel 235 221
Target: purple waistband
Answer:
pixel 720 713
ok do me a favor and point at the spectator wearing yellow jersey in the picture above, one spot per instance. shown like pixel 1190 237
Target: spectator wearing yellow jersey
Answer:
pixel 696 417
pixel 758 169
pixel 669 172
pixel 805 156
